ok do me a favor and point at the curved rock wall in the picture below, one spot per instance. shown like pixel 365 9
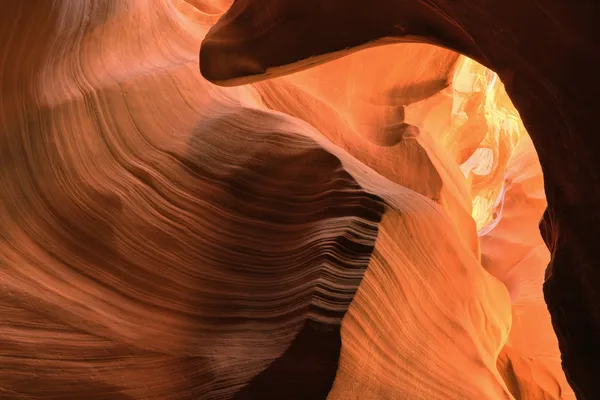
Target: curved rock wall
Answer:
pixel 363 229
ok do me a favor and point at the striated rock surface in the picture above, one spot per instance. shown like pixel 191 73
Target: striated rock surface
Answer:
pixel 363 229
pixel 546 56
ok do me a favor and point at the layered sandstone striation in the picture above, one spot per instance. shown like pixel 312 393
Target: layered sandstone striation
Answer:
pixel 545 55
pixel 363 229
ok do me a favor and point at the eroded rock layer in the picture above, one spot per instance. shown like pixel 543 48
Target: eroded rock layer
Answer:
pixel 364 229
pixel 546 56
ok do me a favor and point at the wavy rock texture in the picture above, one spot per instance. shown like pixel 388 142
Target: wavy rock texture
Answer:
pixel 318 235
pixel 466 128
pixel 546 56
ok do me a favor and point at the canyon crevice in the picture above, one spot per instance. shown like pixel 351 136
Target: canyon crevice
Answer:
pixel 282 199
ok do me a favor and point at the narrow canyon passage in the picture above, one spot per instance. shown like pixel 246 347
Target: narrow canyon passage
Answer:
pixel 366 228
pixel 443 126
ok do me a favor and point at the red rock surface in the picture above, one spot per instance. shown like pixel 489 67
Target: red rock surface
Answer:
pixel 365 228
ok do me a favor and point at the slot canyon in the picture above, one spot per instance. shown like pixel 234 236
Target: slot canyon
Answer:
pixel 299 199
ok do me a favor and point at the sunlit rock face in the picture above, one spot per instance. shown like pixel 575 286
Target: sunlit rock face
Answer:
pixel 366 228
pixel 469 152
pixel 547 58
